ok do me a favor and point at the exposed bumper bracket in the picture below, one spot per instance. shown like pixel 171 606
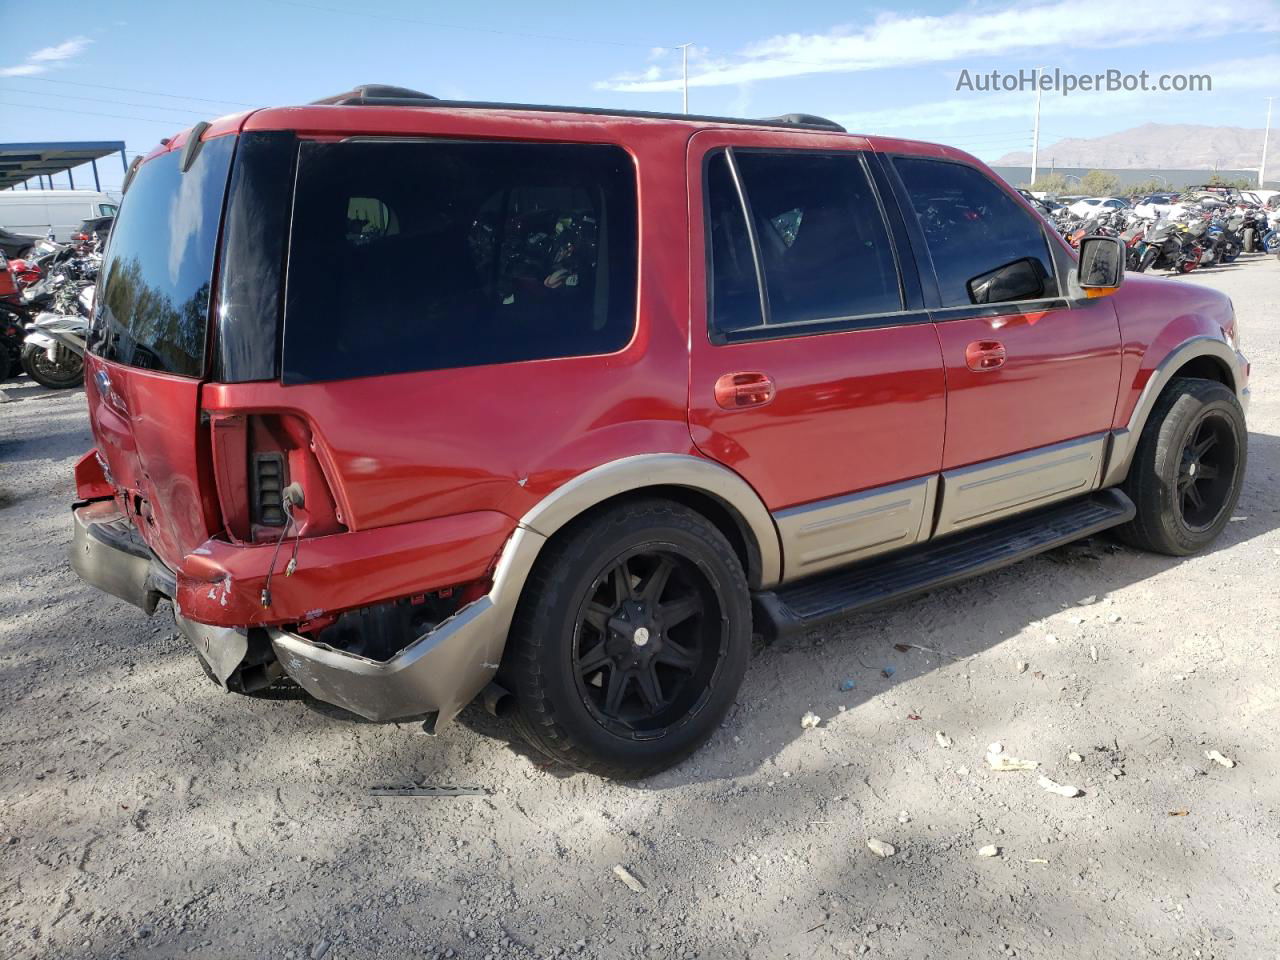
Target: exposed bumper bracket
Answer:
pixel 440 672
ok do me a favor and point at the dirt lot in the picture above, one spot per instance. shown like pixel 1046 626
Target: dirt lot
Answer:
pixel 145 813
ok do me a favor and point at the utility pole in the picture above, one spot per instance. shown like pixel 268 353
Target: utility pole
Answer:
pixel 1035 133
pixel 684 70
pixel 1266 137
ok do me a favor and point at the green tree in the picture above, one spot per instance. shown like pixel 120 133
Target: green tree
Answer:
pixel 1149 186
pixel 1097 183
pixel 1051 183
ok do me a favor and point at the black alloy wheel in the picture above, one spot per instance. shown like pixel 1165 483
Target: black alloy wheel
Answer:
pixel 1207 471
pixel 648 638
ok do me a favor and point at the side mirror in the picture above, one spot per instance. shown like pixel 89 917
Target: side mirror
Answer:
pixel 1101 269
pixel 1020 280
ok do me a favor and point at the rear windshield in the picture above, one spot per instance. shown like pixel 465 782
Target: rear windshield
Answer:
pixel 153 306
pixel 420 255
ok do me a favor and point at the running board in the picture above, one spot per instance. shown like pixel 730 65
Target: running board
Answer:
pixel 808 603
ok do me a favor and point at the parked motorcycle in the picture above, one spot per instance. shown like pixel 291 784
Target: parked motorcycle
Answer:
pixel 54 346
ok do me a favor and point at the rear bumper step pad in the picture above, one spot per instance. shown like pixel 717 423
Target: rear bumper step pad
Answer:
pixel 808 603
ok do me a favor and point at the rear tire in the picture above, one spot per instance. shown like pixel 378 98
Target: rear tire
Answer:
pixel 631 640
pixel 1188 469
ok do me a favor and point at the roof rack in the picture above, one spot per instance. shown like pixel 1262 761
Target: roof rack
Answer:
pixel 382 95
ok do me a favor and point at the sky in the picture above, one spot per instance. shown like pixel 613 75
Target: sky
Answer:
pixel 136 70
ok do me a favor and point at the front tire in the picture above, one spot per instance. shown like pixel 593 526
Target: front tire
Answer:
pixel 1188 469
pixel 631 640
pixel 66 372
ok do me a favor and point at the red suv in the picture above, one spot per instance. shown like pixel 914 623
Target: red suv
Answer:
pixel 408 401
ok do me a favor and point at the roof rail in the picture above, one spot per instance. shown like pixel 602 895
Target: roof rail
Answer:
pixel 368 92
pixel 381 95
pixel 803 120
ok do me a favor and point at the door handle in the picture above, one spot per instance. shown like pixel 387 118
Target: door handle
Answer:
pixel 984 355
pixel 737 390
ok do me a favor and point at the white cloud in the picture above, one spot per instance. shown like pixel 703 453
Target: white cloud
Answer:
pixel 63 51
pixel 895 40
pixel 38 62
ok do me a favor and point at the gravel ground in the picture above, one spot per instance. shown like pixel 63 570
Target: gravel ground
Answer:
pixel 145 813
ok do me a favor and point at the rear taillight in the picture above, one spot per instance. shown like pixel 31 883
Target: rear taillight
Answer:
pixel 255 457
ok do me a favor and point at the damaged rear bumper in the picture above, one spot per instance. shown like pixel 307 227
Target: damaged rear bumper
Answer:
pixel 440 672
pixel 107 552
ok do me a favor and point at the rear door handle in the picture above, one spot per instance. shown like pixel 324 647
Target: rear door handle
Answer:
pixel 737 390
pixel 984 355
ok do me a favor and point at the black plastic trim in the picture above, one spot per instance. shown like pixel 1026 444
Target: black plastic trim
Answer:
pixel 191 149
pixel 813 328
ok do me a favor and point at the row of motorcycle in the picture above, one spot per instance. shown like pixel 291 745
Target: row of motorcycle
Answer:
pixel 46 300
pixel 1180 238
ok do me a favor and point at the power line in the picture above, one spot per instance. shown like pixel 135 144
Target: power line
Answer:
pixel 149 93
pixel 122 103
pixel 171 124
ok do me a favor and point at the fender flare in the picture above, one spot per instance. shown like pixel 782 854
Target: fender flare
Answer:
pixel 628 474
pixel 1124 441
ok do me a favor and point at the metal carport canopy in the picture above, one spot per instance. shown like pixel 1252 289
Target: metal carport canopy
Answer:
pixel 20 162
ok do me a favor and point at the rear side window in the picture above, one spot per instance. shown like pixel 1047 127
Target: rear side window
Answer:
pixel 409 256
pixel 821 240
pixel 974 230
pixel 153 305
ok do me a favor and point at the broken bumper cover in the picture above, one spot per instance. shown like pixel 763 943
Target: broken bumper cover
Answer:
pixel 440 672
pixel 107 552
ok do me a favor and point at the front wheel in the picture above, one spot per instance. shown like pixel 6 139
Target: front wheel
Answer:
pixel 631 640
pixel 1188 468
pixel 66 371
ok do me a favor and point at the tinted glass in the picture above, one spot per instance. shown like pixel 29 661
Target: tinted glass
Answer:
pixel 423 255
pixel 735 290
pixel 255 234
pixel 153 305
pixel 972 227
pixel 823 242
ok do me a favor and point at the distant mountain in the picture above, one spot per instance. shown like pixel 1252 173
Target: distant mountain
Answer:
pixel 1183 146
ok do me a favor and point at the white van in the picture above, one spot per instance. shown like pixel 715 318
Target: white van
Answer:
pixel 36 212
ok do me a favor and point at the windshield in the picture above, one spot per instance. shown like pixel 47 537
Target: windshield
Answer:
pixel 154 303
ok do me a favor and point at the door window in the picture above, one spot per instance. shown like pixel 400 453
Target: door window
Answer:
pixel 985 247
pixel 820 242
